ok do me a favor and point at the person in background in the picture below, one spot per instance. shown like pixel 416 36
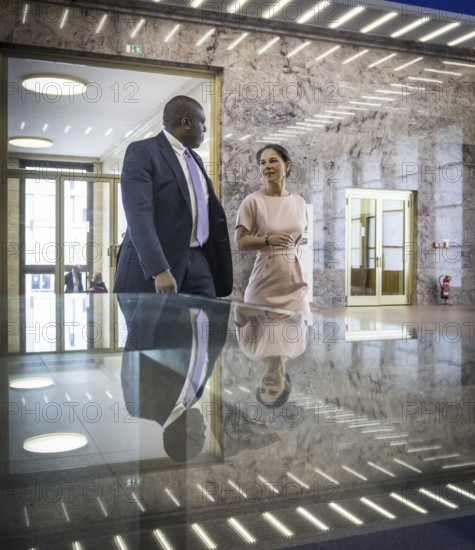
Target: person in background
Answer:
pixel 73 280
pixel 97 284
pixel 272 221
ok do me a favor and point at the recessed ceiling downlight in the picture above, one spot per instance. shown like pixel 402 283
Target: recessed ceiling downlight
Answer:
pixel 55 443
pixel 54 85
pixel 32 382
pixel 30 142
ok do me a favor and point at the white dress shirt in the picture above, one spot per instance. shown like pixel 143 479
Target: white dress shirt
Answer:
pixel 187 393
pixel 179 149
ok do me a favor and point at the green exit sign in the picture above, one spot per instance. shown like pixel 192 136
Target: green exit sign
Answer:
pixel 134 48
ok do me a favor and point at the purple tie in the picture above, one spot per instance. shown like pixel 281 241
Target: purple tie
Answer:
pixel 201 209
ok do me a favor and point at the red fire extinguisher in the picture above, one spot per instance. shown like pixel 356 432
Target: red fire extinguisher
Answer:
pixel 444 281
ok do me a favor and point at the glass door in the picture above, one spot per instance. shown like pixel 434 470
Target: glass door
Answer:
pixel 69 224
pixel 88 236
pixel 378 227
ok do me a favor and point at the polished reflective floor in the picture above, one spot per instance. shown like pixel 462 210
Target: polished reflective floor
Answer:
pixel 226 426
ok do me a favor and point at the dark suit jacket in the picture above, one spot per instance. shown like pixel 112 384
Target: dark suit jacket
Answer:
pixel 158 349
pixel 158 211
pixel 68 281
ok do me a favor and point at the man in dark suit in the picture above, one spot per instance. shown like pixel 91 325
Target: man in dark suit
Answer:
pixel 171 349
pixel 177 237
pixel 73 280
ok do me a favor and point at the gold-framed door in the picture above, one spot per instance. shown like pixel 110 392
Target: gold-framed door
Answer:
pixel 11 274
pixel 378 231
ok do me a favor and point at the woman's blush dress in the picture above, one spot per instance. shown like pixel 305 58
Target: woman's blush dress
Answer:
pixel 277 279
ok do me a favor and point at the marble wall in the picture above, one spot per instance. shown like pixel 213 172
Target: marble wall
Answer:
pixel 422 141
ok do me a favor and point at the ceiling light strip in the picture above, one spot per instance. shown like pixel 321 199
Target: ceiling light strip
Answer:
pixel 461 39
pixel 442 72
pixel 346 17
pixel 379 99
pixel 381 469
pixel 298 48
pixel 172 32
pixel 313 12
pixel 103 508
pixel 237 488
pixel 459 465
pixel 461 491
pixel 204 537
pixel 438 32
pixel 408 64
pixel 458 64
pixel 325 54
pixel 345 513
pixel 352 58
pixel 337 118
pixel 427 448
pixel 236 5
pixel 268 45
pixel 275 8
pixel 63 19
pixel 173 497
pixel 162 539
pixel 237 41
pixel 378 22
pixel 298 480
pixel 242 531
pixel 345 113
pixel 369 104
pixel 205 37
pixel 102 22
pixel 408 503
pixel 326 476
pixel 25 13
pixel 120 543
pixel 410 27
pixel 355 473
pixel 438 498
pixel 440 457
pixel 278 525
pixel 376 63
pixel 406 465
pixel 422 79
pixel 312 519
pixel 137 28
pixel 377 508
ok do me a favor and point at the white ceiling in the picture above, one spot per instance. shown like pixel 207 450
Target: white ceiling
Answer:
pixel 117 99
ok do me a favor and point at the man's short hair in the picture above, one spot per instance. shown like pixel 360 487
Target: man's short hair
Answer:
pixel 178 107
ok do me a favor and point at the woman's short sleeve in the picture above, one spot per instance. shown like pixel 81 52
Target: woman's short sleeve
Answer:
pixel 246 215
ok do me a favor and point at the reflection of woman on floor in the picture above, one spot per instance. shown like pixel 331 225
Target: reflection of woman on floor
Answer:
pixel 271 338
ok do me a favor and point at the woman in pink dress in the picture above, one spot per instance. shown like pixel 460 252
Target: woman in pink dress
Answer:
pixel 272 221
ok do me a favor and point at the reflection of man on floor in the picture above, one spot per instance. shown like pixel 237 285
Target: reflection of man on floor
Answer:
pixel 73 280
pixel 172 345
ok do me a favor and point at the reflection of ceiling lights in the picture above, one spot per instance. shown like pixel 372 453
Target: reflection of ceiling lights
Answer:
pixel 30 142
pixel 31 383
pixel 54 85
pixel 55 443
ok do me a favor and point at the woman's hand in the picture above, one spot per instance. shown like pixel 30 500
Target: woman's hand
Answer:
pixel 280 239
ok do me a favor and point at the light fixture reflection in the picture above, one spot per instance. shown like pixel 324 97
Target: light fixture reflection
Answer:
pixel 31 383
pixel 55 443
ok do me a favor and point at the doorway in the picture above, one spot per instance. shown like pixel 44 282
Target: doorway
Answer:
pixel 378 228
pixel 64 202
